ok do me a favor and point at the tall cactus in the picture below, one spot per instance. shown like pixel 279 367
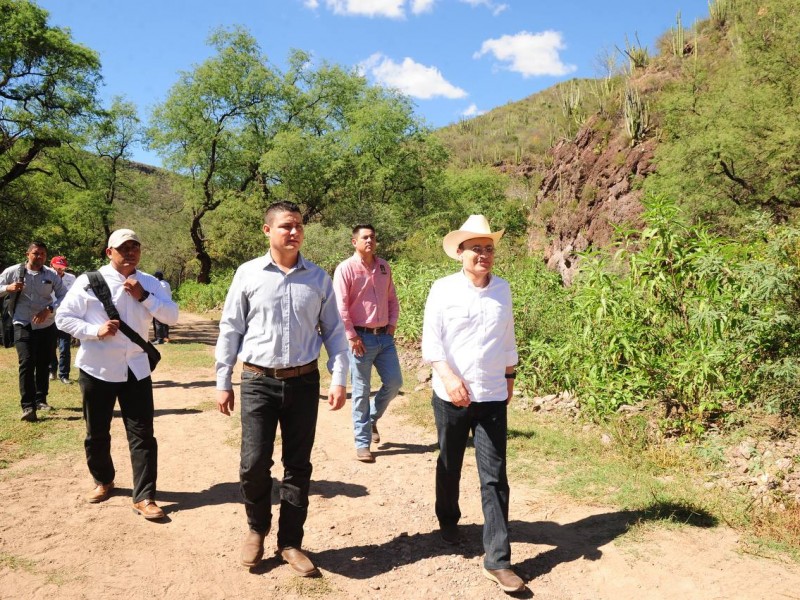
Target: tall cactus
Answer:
pixel 636 115
pixel 678 37
pixel 719 11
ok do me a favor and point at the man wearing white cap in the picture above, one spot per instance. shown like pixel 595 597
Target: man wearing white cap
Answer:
pixel 112 367
pixel 468 337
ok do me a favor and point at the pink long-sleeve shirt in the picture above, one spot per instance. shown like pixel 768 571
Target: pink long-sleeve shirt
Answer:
pixel 365 295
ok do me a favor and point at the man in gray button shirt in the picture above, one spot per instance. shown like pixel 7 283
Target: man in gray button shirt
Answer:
pixel 279 311
pixel 34 325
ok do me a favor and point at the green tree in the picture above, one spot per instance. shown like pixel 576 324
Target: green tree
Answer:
pixel 731 138
pixel 350 149
pixel 48 84
pixel 213 126
pixel 95 173
pixel 48 87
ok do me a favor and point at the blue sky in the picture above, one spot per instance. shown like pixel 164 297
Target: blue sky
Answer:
pixel 454 58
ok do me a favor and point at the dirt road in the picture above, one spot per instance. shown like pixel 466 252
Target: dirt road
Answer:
pixel 371 527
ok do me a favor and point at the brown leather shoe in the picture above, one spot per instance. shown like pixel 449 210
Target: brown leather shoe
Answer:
pixel 100 493
pixel 508 581
pixel 364 455
pixel 148 509
pixel 301 564
pixel 376 437
pixel 253 548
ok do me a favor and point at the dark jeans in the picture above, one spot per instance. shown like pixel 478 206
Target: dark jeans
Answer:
pixel 136 404
pixel 34 349
pixel 292 403
pixel 60 364
pixel 487 421
pixel 160 330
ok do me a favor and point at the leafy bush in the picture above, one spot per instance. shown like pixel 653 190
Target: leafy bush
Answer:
pixel 199 297
pixel 688 319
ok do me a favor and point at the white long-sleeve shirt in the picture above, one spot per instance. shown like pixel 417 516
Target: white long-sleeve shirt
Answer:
pixel 81 315
pixel 472 330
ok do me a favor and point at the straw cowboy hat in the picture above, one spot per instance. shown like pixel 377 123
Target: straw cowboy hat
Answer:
pixel 474 227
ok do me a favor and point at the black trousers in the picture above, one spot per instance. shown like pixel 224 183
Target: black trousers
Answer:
pixel 34 347
pixel 136 404
pixel 267 403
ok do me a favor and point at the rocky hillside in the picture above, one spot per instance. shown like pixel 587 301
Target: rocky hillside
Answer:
pixel 593 185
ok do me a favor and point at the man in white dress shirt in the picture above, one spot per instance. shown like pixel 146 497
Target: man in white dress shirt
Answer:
pixel 112 367
pixel 468 337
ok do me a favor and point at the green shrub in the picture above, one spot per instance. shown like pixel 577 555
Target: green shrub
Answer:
pixel 198 297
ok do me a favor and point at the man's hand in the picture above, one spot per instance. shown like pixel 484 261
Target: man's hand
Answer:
pixel 390 329
pixel 457 391
pixel 225 401
pixel 133 287
pixel 357 346
pixel 336 397
pixel 15 287
pixel 41 316
pixel 109 328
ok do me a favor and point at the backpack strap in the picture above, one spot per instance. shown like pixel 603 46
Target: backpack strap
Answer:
pixel 103 293
pixel 12 302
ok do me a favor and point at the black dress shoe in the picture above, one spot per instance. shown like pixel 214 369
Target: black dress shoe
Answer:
pixel 450 534
pixel 29 415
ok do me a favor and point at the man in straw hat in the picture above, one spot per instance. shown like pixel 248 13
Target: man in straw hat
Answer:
pixel 468 337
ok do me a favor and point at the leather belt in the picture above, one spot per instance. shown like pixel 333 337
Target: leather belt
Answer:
pixel 286 373
pixel 372 330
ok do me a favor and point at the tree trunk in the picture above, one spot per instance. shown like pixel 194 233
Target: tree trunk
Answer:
pixel 196 231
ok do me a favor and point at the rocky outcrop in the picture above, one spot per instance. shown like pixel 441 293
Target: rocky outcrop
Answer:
pixel 594 184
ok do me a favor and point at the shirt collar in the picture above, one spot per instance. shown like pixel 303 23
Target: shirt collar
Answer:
pixel 472 286
pixel 302 263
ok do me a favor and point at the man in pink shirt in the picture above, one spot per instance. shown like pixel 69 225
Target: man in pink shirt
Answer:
pixel 368 305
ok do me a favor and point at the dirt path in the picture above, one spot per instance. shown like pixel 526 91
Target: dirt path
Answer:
pixel 371 527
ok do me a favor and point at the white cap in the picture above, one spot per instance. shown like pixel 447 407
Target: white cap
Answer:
pixel 120 236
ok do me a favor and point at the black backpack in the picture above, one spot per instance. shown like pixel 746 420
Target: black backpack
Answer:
pixel 8 307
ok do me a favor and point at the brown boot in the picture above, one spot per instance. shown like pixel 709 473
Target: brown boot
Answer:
pixel 148 509
pixel 100 493
pixel 253 548
pixel 508 581
pixel 298 560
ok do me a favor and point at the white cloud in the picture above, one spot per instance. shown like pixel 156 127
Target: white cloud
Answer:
pixel 472 111
pixel 495 7
pixel 392 9
pixel 421 6
pixel 529 53
pixel 312 4
pixel 410 77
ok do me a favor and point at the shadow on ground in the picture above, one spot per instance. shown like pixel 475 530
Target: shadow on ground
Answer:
pixel 582 539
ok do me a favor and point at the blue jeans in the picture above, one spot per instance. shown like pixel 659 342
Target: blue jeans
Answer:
pixel 266 402
pixel 60 364
pixel 488 423
pixel 379 350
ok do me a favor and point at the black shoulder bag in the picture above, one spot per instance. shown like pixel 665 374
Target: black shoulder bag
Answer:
pixel 100 289
pixel 8 308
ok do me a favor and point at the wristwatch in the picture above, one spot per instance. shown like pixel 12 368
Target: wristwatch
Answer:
pixel 50 307
pixel 145 296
